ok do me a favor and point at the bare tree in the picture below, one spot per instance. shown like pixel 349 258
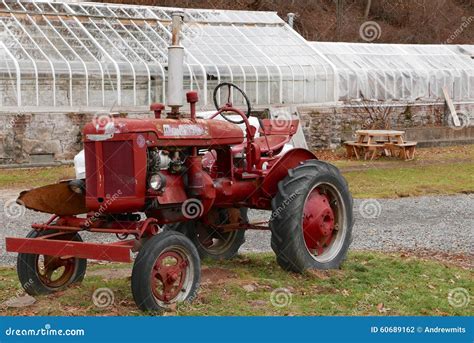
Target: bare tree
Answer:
pixel 374 116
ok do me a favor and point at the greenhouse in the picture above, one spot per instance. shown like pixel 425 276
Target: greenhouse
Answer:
pixel 401 71
pixel 89 55
pixel 79 56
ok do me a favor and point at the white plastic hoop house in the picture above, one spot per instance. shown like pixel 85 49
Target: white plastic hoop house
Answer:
pixel 405 72
pixel 76 56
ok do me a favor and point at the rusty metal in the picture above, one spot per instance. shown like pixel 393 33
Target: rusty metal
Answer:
pixel 168 276
pixel 56 199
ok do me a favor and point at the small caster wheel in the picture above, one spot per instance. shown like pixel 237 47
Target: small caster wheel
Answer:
pixel 166 271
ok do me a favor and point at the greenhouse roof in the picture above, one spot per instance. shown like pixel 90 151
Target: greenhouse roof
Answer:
pixel 88 56
pixel 55 54
pixel 401 71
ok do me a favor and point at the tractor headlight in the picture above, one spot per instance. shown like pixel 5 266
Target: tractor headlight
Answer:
pixel 157 182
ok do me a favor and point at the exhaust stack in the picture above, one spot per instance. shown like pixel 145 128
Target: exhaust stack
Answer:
pixel 175 65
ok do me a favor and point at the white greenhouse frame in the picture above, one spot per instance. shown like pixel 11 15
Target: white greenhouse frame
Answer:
pixel 58 55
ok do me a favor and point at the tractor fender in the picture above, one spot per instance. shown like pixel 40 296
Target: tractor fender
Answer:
pixel 280 169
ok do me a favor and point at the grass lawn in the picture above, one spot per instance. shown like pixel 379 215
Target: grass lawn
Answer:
pixel 436 171
pixel 367 284
pixel 34 177
pixel 443 179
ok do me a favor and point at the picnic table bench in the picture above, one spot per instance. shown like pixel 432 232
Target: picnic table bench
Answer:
pixel 388 142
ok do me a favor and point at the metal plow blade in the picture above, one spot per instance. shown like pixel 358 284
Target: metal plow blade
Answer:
pixel 55 199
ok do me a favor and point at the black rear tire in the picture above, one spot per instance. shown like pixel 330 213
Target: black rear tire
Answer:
pixel 146 294
pixel 29 272
pixel 226 245
pixel 288 239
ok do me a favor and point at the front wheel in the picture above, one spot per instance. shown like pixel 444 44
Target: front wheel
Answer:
pixel 166 271
pixel 312 218
pixel 45 274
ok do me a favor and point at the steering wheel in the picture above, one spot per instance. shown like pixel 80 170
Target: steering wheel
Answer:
pixel 229 103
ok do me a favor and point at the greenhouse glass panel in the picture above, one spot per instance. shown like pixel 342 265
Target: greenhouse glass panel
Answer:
pixel 90 55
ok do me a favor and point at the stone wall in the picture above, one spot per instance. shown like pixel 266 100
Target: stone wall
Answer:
pixel 40 137
pixel 327 127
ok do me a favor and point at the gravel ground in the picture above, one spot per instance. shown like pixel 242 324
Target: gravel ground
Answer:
pixel 439 223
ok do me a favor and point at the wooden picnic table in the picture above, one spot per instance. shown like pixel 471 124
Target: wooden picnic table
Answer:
pixel 389 142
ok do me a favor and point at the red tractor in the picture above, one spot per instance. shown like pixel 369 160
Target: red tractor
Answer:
pixel 178 189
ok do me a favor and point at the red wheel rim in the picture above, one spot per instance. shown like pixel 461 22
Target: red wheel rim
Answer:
pixel 168 276
pixel 319 221
pixel 55 272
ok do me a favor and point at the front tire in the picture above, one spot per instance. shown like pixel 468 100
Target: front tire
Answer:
pixel 166 271
pixel 44 274
pixel 312 218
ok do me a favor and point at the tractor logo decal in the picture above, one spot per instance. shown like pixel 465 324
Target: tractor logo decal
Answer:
pixel 184 130
pixel 141 141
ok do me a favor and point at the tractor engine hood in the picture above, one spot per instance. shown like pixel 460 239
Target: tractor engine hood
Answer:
pixel 169 132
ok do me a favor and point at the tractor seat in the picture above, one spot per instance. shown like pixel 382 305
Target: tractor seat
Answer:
pixel 275 143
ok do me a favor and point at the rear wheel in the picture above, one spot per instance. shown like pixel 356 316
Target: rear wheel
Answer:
pixel 166 271
pixel 44 274
pixel 312 218
pixel 211 242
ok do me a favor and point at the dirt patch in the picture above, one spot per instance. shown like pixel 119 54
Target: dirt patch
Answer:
pixel 111 273
pixel 215 275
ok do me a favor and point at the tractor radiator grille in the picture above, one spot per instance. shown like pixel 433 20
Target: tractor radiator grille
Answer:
pixel 117 170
